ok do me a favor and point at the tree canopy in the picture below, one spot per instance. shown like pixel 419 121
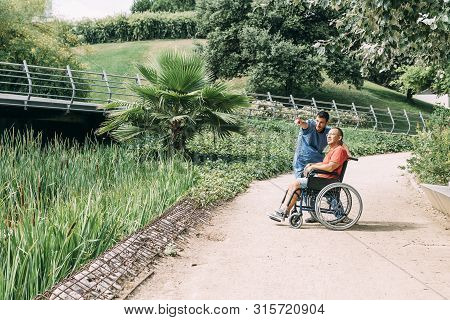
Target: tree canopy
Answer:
pixel 162 5
pixel 272 41
pixel 23 36
pixel 384 32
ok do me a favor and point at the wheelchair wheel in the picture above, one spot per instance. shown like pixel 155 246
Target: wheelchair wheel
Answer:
pixel 296 220
pixel 338 206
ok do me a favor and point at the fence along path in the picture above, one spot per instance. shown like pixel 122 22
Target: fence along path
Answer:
pixel 30 86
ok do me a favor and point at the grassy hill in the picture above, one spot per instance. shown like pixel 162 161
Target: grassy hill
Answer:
pixel 121 58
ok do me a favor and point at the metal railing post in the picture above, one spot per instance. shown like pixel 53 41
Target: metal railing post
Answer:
pixel 407 119
pixel 292 101
pixel 337 113
pixel 316 110
pixel 392 119
pixel 105 78
pixel 269 96
pixel 375 127
pixel 30 84
pixel 69 73
pixel 423 120
pixel 356 114
pixel 138 79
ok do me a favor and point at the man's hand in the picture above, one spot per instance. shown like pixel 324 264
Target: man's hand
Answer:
pixel 298 121
pixel 301 123
pixel 307 169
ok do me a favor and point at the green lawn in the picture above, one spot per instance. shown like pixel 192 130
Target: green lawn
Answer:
pixel 121 58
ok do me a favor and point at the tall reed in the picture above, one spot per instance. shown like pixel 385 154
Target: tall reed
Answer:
pixel 61 206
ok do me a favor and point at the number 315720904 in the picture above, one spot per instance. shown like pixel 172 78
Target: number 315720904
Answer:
pixel 287 308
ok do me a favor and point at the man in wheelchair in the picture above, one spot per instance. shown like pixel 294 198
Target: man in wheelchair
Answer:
pixel 329 168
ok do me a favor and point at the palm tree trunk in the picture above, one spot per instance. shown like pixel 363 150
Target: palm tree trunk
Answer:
pixel 178 139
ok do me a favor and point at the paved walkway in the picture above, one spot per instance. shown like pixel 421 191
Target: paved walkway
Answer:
pixel 400 249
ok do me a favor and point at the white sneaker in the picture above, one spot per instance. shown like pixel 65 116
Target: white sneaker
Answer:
pixel 278 216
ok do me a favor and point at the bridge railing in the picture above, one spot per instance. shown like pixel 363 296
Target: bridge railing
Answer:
pixel 347 115
pixel 74 87
pixel 65 83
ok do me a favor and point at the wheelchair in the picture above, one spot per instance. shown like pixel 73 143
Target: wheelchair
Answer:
pixel 334 204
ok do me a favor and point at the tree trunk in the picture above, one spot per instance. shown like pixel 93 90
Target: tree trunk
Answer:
pixel 409 94
pixel 178 139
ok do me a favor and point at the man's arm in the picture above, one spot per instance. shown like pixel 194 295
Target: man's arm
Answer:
pixel 302 123
pixel 337 159
pixel 329 167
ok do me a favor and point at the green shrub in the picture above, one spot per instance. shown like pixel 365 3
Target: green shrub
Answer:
pixel 138 26
pixel 162 5
pixel 431 150
pixel 227 168
pixel 23 36
pixel 413 79
pixel 363 142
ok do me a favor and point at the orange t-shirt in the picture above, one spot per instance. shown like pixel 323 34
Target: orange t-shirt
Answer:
pixel 337 155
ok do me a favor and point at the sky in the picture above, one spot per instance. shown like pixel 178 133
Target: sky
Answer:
pixel 78 9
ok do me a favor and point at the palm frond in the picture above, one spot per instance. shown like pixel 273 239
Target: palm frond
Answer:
pixel 149 73
pixel 115 105
pixel 126 132
pixel 182 72
pixel 217 98
pixel 220 123
pixel 120 117
pixel 147 93
pixel 184 118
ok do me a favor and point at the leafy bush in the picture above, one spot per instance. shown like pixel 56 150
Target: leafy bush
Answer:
pixel 368 142
pixel 226 168
pixel 162 5
pixel 431 150
pixel 138 26
pixel 277 63
pixel 24 37
pixel 414 79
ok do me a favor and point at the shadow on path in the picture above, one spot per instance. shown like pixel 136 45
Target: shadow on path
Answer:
pixel 366 226
pixel 378 226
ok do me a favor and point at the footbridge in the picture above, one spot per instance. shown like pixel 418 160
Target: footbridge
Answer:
pixel 67 101
pixel 57 100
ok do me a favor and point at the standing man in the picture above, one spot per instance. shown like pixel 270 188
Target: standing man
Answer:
pixel 311 141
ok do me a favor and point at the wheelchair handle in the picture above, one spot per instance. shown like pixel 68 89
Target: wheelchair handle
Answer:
pixel 351 158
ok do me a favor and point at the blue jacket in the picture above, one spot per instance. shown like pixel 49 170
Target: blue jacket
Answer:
pixel 310 145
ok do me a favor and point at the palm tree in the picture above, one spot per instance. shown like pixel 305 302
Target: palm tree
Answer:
pixel 179 100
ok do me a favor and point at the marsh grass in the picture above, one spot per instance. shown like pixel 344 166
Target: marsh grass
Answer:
pixel 62 205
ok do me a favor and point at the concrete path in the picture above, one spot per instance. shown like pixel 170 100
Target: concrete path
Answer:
pixel 400 248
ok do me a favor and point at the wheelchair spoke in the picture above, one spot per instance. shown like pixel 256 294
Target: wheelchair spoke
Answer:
pixel 338 206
